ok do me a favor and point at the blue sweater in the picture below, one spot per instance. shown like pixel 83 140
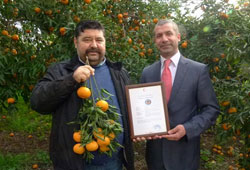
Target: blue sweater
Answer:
pixel 104 80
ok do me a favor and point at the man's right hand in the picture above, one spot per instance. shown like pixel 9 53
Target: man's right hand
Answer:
pixel 83 73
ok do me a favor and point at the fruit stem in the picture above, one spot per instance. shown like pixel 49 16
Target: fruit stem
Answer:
pixel 97 89
pixel 90 83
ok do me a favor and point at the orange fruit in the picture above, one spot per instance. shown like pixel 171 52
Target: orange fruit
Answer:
pixel 83 92
pixel 77 136
pixel 105 141
pixel 136 22
pixel 62 30
pixel 28 31
pixel 92 146
pixel 224 15
pixel 222 55
pixel 32 57
pixel 3 117
pixel 15 37
pixel 37 10
pixel 104 148
pixel 51 29
pixel 4 32
pixel 232 110
pixel 246 4
pixel 224 126
pixel 216 59
pixel 125 15
pixel 103 105
pixel 30 136
pixel 65 2
pixel 11 134
pixel 155 20
pixel 130 41
pixel 143 21
pixel 227 77
pixel 234 138
pixel 14 51
pixel 237 132
pixel 109 11
pixel 98 134
pixel 76 19
pixel 225 103
pixel 87 1
pixel 5 1
pixel 184 44
pixel 6 50
pixel 136 28
pixel 111 136
pixel 142 46
pixel 119 16
pixel 217 69
pixel 48 12
pixel 10 100
pixel 142 54
pixel 34 166
pixel 31 87
pixel 150 51
pixel 78 149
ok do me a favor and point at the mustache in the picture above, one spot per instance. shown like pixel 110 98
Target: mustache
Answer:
pixel 93 50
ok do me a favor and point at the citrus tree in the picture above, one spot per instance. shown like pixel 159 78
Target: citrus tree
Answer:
pixel 36 34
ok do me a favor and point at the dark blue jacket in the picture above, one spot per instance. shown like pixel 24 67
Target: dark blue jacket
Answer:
pixel 56 93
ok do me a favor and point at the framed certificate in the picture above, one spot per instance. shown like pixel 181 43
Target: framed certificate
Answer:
pixel 147 108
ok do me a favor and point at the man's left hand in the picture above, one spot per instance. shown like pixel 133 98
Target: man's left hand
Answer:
pixel 176 133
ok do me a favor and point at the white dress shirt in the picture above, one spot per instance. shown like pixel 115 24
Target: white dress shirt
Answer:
pixel 172 66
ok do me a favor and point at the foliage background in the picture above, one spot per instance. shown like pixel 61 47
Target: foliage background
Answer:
pixel 219 37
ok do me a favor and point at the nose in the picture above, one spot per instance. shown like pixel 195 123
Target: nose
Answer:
pixel 164 38
pixel 93 44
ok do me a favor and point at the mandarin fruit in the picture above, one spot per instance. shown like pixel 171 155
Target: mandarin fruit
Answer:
pixel 92 146
pixel 103 105
pixel 77 136
pixel 105 141
pixel 78 149
pixel 83 92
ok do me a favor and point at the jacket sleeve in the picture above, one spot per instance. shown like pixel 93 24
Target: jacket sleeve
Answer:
pixel 52 90
pixel 208 108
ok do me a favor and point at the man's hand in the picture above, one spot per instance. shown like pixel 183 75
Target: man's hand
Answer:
pixel 176 134
pixel 139 139
pixel 83 73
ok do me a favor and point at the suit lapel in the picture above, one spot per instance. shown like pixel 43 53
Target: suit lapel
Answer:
pixel 179 77
pixel 158 71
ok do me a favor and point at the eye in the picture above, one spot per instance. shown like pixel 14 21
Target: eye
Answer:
pixel 99 40
pixel 169 33
pixel 158 35
pixel 86 39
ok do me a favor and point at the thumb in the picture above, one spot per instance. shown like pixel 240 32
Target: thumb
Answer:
pixel 172 131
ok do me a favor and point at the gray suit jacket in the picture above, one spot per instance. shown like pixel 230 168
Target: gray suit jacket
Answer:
pixel 192 103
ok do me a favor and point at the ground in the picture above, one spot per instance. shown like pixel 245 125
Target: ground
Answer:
pixel 24 143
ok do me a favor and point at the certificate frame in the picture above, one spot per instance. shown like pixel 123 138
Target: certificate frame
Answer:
pixel 147 107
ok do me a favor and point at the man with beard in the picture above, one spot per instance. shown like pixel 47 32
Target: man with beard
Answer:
pixel 192 104
pixel 56 93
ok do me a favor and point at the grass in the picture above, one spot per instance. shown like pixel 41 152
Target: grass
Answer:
pixel 24 161
pixel 29 145
pixel 25 120
pixel 30 142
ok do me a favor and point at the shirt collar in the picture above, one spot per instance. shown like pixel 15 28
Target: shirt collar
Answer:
pixel 175 59
pixel 100 64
